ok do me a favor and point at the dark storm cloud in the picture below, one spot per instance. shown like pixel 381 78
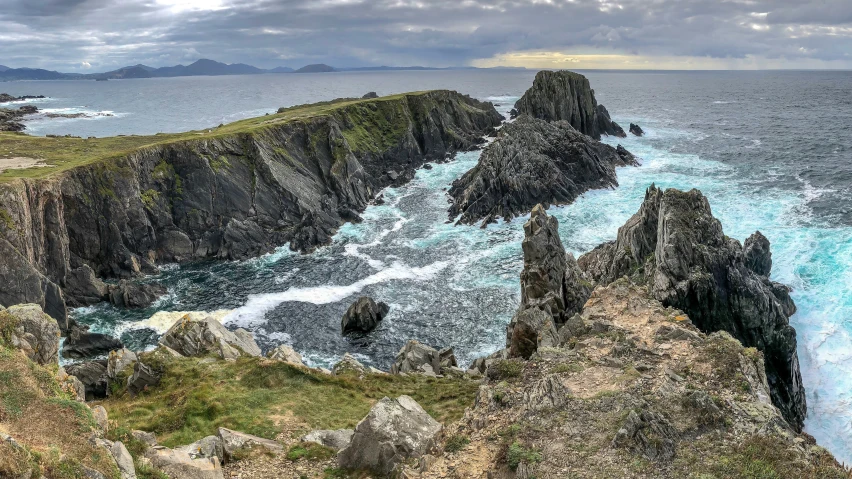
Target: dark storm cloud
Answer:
pixel 71 34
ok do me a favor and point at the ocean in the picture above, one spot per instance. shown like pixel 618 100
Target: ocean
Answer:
pixel 770 150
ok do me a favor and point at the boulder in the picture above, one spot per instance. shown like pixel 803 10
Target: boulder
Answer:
pixel 529 330
pixel 83 344
pixel 143 377
pixel 118 361
pixel 533 161
pixel 145 437
pixel 676 245
pixel 237 444
pixel 416 357
pixel 71 383
pixel 335 439
pixel 564 95
pixel 363 315
pixel 33 331
pixel 129 294
pixel 197 337
pixel 349 365
pixel 394 431
pixel 101 418
pixel 370 95
pixel 93 376
pixel 636 129
pixel 287 354
pixel 123 460
pixel 208 447
pixel 179 465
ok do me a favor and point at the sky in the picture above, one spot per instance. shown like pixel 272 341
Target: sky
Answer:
pixel 100 35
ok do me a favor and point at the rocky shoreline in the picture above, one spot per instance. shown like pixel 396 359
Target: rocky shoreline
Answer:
pixel 596 380
pixel 231 197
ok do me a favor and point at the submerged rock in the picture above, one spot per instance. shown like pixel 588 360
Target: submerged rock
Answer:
pixel 677 246
pixel 363 315
pixel 196 337
pixel 564 95
pixel 532 162
pixel 394 431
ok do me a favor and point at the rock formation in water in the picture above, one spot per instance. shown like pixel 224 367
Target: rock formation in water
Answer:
pixel 534 161
pixel 363 315
pixel 291 179
pixel 564 95
pixel 10 120
pixel 636 129
pixel 675 244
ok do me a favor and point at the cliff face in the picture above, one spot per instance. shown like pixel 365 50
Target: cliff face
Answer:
pixel 564 95
pixel 229 196
pixel 675 245
pixel 534 161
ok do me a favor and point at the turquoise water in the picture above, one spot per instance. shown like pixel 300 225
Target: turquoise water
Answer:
pixel 766 159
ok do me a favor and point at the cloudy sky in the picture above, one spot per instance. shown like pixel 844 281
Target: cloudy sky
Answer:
pixel 99 35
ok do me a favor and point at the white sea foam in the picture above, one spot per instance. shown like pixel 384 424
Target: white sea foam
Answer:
pixel 252 313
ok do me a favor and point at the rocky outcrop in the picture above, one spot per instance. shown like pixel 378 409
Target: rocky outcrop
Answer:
pixel 238 444
pixel 93 375
pixel 179 464
pixel 143 377
pixel 636 129
pixel 196 337
pixel 363 315
pixel 287 354
pixel 418 358
pixel 293 179
pixel 10 120
pixel 564 95
pixel 349 365
pixel 129 294
pixel 119 361
pixel 529 330
pixel 531 162
pixel 395 431
pixel 83 344
pixel 677 246
pixel 32 331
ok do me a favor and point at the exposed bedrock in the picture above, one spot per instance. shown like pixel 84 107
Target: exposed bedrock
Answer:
pixel 675 244
pixel 231 196
pixel 552 287
pixel 564 95
pixel 534 161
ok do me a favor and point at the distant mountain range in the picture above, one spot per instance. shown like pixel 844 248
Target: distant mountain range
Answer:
pixel 203 67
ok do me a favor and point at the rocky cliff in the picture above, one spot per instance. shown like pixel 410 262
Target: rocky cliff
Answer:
pixel 231 192
pixel 676 246
pixel 564 95
pixel 534 161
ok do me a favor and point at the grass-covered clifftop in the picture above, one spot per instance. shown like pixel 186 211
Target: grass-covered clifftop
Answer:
pixel 116 207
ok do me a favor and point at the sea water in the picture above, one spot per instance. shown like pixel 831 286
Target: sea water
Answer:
pixel 770 150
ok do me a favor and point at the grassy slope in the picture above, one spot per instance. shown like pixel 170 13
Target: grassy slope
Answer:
pixel 63 153
pixel 262 397
pixel 42 417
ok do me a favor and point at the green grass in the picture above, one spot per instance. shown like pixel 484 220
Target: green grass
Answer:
pixel 310 451
pixel 456 443
pixel 63 153
pixel 194 399
pixel 517 453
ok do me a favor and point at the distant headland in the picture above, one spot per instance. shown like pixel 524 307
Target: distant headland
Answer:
pixel 203 67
